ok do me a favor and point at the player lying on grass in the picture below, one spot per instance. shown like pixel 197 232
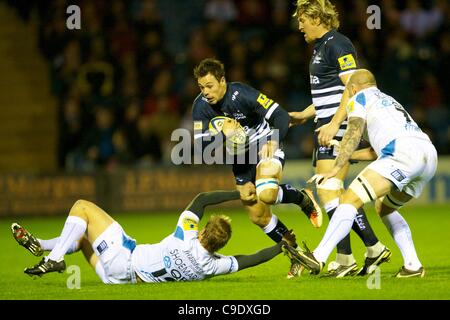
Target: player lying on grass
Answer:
pixel 406 161
pixel 184 255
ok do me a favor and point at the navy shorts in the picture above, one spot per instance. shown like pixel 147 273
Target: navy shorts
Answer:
pixel 329 153
pixel 246 172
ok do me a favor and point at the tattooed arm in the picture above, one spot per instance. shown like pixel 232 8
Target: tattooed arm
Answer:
pixel 350 141
pixel 348 145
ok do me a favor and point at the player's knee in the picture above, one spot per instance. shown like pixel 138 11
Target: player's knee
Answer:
pixel 361 188
pixel 381 209
pixel 81 203
pixel 268 196
pixel 269 168
pixel 387 204
pixel 259 218
pixel 267 190
pixel 329 190
pixel 80 207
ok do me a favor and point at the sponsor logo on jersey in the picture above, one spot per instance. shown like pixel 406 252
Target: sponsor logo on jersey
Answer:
pixel 233 97
pixel 189 224
pixel 347 62
pixel 314 79
pixel 167 261
pixel 317 59
pixel 198 125
pixel 264 101
pixel 239 116
pixel 351 106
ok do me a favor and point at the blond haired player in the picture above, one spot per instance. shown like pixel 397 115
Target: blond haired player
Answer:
pixel 184 255
pixel 332 63
pixel 406 161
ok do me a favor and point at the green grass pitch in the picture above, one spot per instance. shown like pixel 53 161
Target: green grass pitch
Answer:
pixel 430 227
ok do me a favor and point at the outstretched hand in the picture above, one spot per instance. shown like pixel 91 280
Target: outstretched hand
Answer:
pixel 321 178
pixel 326 133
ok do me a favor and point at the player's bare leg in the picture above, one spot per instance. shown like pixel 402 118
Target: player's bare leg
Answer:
pixel 84 217
pixel 92 258
pixel 270 191
pixel 268 175
pixel 367 186
pixel 329 194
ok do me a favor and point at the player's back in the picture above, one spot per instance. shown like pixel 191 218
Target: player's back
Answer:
pixel 180 256
pixel 386 119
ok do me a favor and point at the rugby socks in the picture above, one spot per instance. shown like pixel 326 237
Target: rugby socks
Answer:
pixel 364 230
pixel 399 229
pixel 339 226
pixel 344 250
pixel 275 229
pixel 48 245
pixel 289 194
pixel 72 231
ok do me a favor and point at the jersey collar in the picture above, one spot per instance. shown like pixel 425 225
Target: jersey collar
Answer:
pixel 325 36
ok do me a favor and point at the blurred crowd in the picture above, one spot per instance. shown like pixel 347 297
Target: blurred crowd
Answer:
pixel 124 80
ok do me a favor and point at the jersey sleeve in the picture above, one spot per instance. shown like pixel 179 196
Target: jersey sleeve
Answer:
pixel 201 120
pixel 357 106
pixel 187 226
pixel 343 55
pixel 222 265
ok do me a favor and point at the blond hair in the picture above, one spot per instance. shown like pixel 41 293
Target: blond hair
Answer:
pixel 216 233
pixel 322 9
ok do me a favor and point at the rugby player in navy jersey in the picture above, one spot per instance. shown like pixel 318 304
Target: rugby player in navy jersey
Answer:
pixel 332 63
pixel 258 163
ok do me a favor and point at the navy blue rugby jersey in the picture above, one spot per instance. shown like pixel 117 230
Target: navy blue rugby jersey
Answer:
pixel 256 113
pixel 333 56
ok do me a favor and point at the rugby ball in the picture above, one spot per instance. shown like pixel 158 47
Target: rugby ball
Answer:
pixel 215 127
pixel 216 124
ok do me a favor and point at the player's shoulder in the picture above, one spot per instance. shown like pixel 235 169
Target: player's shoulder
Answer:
pixel 338 39
pixel 367 96
pixel 200 107
pixel 337 43
pixel 242 92
pixel 240 87
pixel 199 102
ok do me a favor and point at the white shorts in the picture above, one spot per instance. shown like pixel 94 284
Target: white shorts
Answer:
pixel 411 166
pixel 114 248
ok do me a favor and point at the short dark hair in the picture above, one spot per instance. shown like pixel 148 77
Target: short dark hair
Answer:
pixel 210 65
